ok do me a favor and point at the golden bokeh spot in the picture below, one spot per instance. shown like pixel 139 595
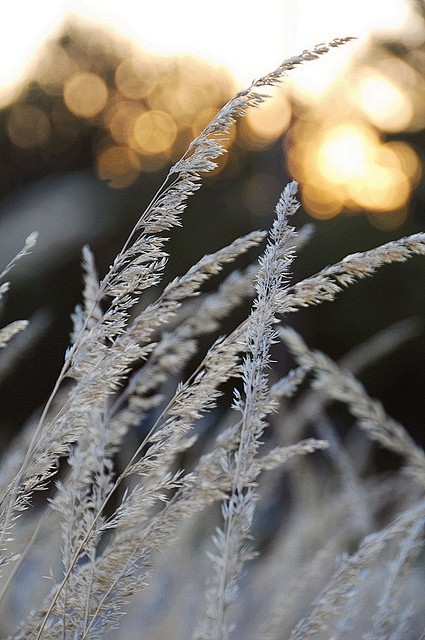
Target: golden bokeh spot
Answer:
pixel 302 162
pixel 120 120
pixel 118 165
pixel 271 121
pixel 409 80
pixel 154 132
pixel 381 189
pixel 180 101
pixel 300 145
pixel 28 127
pixel 85 94
pixel 384 103
pixel 310 82
pixel 348 166
pixel 201 120
pixel 407 158
pixel 189 103
pixel 295 162
pixel 191 70
pixel 320 203
pixel 53 70
pixel 387 157
pixel 135 78
pixel 343 164
pixel 203 78
pixel 417 98
pixel 345 152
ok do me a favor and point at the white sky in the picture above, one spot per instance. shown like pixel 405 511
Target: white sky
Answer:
pixel 248 36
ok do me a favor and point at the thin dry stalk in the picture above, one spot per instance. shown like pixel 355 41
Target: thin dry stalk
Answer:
pixel 372 419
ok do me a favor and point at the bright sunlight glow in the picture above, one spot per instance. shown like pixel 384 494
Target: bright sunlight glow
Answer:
pixel 383 102
pixel 245 36
pixel 346 152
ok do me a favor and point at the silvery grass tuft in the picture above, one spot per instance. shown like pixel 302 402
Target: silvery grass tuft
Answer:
pixel 105 524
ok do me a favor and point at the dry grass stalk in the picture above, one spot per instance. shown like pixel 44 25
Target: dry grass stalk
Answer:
pixel 341 385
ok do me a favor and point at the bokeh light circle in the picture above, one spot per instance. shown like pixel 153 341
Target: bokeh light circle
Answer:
pixel 154 132
pixel 85 94
pixel 28 127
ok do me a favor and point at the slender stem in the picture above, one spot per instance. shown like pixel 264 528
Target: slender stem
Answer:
pixel 76 344
pixel 35 439
pixel 25 553
pixel 107 593
pixel 118 481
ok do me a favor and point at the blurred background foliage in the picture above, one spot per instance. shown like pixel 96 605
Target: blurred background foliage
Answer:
pixel 90 136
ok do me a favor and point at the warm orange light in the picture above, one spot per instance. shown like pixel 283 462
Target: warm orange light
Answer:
pixel 384 103
pixel 118 165
pixel 120 119
pixel 320 204
pixel 180 101
pixel 135 78
pixel 407 159
pixel 345 152
pixel 382 189
pixel 310 82
pixel 271 121
pixel 301 142
pixel 154 132
pixel 347 165
pixel 85 94
pixel 28 127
